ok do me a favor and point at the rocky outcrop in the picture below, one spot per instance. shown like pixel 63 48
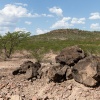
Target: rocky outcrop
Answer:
pixel 70 56
pixel 62 70
pixel 87 71
pixel 28 69
pixel 58 73
pixel 72 62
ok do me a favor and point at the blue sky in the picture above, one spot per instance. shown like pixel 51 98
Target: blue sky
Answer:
pixel 40 16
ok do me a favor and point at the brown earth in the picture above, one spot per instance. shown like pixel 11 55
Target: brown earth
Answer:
pixel 17 88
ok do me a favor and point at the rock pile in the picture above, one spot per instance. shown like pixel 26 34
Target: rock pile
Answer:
pixel 72 62
pixel 66 60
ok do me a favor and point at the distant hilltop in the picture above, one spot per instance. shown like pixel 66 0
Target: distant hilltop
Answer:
pixel 72 34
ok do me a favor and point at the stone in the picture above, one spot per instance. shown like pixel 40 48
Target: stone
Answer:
pixel 69 73
pixel 57 73
pixel 28 69
pixel 34 98
pixel 1 99
pixel 87 71
pixel 15 97
pixel 70 56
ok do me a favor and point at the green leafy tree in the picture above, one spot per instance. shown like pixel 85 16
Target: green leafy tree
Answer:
pixel 9 41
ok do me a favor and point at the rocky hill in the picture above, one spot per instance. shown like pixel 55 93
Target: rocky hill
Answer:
pixel 75 34
pixel 56 40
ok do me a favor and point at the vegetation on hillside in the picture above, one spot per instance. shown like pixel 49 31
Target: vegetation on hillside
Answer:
pixel 61 38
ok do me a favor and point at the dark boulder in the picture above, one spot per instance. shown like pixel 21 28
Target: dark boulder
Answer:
pixel 57 73
pixel 87 71
pixel 68 72
pixel 70 56
pixel 29 69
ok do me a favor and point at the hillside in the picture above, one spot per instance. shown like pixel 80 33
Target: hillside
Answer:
pixel 58 39
pixel 66 34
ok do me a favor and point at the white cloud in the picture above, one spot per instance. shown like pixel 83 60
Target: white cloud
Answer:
pixel 47 15
pixel 95 26
pixel 56 10
pixel 95 15
pixel 50 15
pixel 15 11
pixel 21 4
pixel 27 22
pixel 41 15
pixel 10 15
pixel 44 15
pixel 35 15
pixel 21 29
pixel 63 23
pixel 40 31
pixel 78 21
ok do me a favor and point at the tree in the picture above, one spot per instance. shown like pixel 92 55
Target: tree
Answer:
pixel 9 41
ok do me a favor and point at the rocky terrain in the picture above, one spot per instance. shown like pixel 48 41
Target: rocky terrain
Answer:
pixel 59 79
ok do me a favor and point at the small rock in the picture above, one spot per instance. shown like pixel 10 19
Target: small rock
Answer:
pixel 1 98
pixel 34 98
pixel 69 87
pixel 15 97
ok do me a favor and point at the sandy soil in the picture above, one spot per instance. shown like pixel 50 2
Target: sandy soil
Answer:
pixel 17 88
pixel 16 60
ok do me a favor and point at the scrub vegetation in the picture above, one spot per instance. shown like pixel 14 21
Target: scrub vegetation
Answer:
pixel 56 40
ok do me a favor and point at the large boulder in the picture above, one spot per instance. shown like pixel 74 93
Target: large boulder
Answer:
pixel 87 71
pixel 58 73
pixel 70 56
pixel 29 69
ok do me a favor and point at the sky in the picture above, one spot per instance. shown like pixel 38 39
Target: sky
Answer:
pixel 41 16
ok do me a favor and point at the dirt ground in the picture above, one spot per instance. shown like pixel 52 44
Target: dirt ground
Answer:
pixel 17 88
